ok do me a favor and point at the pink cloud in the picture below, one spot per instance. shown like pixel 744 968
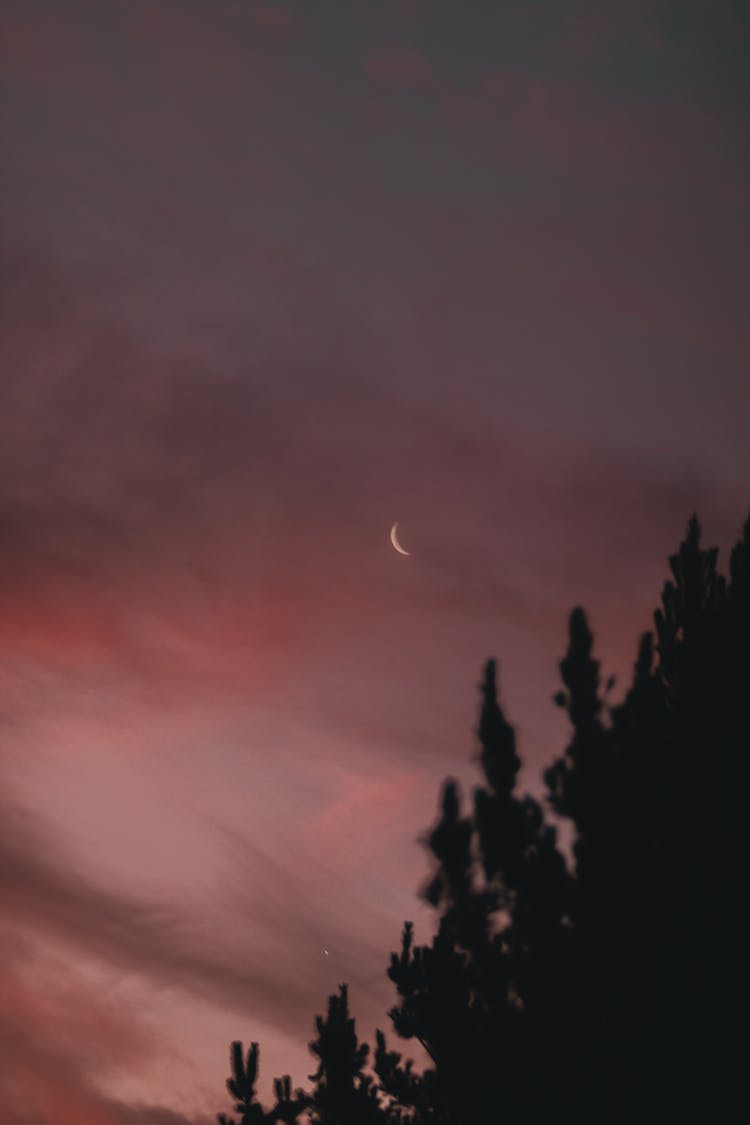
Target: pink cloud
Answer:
pixel 363 808
pixel 169 563
pixel 61 1037
pixel 266 343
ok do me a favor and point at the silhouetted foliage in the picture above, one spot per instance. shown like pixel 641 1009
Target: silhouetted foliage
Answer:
pixel 489 993
pixel 605 990
pixel 343 1092
pixel 241 1086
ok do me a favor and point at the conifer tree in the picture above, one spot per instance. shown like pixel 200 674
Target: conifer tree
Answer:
pixel 607 990
pixel 652 794
pixel 242 1087
pixel 288 1107
pixel 344 1094
pixel 606 980
pixel 487 994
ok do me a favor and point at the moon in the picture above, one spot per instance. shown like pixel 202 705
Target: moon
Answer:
pixel 395 542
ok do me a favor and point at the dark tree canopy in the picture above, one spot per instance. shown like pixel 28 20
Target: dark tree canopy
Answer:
pixel 608 990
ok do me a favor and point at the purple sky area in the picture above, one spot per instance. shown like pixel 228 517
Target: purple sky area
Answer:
pixel 274 276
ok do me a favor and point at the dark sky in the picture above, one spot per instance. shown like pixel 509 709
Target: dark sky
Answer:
pixel 275 276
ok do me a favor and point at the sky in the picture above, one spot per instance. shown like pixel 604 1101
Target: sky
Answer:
pixel 274 276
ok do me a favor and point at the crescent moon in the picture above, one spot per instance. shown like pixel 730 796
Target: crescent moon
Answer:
pixel 395 542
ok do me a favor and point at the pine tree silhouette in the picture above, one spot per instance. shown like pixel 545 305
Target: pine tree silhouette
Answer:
pixel 608 991
pixel 344 1094
pixel 241 1086
pixel 489 991
pixel 653 796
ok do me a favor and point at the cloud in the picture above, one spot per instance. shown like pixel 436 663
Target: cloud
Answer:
pixel 254 332
pixel 267 925
pixel 43 895
pixel 187 524
pixel 61 1038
